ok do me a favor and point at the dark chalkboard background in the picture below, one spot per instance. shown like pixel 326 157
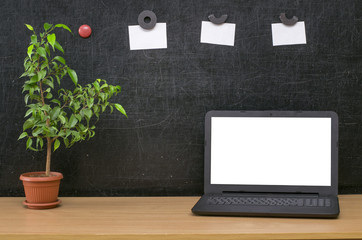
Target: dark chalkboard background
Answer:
pixel 158 150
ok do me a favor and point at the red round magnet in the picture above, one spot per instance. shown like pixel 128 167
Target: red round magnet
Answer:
pixel 84 31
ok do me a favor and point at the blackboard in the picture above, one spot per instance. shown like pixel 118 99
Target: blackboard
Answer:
pixel 158 150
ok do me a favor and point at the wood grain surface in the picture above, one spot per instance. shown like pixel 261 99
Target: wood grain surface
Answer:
pixel 164 218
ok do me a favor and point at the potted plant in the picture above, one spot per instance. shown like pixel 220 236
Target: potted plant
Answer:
pixel 56 115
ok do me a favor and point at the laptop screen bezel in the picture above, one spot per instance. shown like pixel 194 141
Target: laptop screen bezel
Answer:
pixel 321 190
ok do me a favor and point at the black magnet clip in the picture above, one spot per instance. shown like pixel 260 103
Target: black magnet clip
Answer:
pixel 150 17
pixel 219 20
pixel 288 21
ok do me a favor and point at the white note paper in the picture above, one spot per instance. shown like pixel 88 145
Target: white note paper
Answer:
pixel 220 34
pixel 140 39
pixel 288 35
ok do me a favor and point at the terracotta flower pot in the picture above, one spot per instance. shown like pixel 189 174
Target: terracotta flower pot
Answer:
pixel 41 192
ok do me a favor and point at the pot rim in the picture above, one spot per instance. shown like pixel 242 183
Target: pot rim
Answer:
pixel 55 176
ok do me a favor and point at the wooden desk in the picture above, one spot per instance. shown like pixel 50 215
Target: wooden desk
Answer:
pixel 160 218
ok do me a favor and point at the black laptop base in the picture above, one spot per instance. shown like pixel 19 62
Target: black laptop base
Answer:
pixel 267 206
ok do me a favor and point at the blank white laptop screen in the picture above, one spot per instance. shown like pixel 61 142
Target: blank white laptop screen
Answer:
pixel 271 151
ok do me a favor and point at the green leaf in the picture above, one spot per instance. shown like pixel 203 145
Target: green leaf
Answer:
pixel 44 65
pixel 63 26
pixel 75 104
pixel 29 27
pixel 34 39
pixel 95 108
pixel 68 132
pixel 79 117
pixel 56 144
pixel 30 50
pixel 47 26
pixel 49 96
pixel 26 98
pixel 45 129
pixel 27 65
pixel 91 92
pixel 60 59
pixel 41 74
pixel 62 119
pixel 120 108
pixel 82 128
pixel 54 130
pixel 39 140
pixel 87 113
pixel 104 85
pixel 102 96
pixel 35 58
pixel 59 47
pixel 49 83
pixel 66 142
pixel 41 52
pixel 54 113
pixel 111 90
pixel 51 39
pixel 23 135
pixel 45 108
pixel 73 75
pixel 72 121
pixel 34 149
pixel 56 101
pixel 24 74
pixel 28 143
pixel 31 91
pixel 58 79
pixel 61 133
pixel 33 79
pixel 28 112
pixel 92 134
pixel 37 131
pixel 90 102
pixel 47 48
pixel 76 135
pixel 104 107
pixel 96 86
pixel 28 124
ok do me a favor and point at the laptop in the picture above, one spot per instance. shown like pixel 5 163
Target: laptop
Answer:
pixel 270 163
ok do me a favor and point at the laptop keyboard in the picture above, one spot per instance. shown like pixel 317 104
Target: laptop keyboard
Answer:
pixel 270 201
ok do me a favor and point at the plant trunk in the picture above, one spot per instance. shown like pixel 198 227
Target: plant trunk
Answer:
pixel 49 140
pixel 49 155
